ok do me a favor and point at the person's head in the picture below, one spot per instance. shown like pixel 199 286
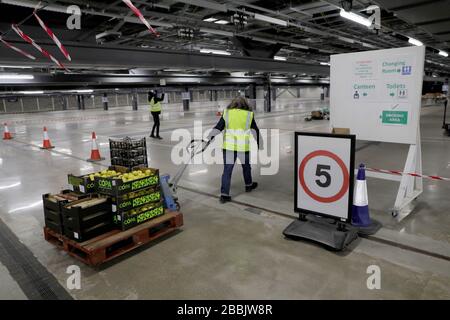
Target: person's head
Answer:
pixel 239 103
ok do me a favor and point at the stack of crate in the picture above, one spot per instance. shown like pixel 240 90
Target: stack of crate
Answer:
pixel 128 152
pixel 53 204
pixel 135 196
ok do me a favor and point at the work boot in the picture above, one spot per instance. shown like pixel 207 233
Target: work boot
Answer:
pixel 224 199
pixel 252 187
pixel 159 137
pixel 152 136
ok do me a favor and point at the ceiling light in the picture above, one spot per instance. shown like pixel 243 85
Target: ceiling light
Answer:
pixel 16 67
pixel 268 19
pixel 213 51
pixel 325 63
pixel 84 91
pixel 210 20
pixel 355 18
pixel 222 22
pixel 415 42
pixel 443 53
pixel 16 77
pixel 279 58
pixel 31 92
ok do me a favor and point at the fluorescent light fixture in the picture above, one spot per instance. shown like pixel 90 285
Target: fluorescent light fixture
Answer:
pixel 299 46
pixel 31 92
pixel 279 58
pixel 268 19
pixel 443 53
pixel 355 18
pixel 17 67
pixel 16 77
pixel 210 19
pixel 415 42
pixel 222 22
pixel 214 51
pixel 325 63
pixel 84 91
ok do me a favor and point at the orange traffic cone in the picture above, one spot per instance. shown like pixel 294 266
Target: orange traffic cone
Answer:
pixel 95 153
pixel 7 134
pixel 46 144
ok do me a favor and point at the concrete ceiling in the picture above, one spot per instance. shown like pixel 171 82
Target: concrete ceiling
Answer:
pixel 312 31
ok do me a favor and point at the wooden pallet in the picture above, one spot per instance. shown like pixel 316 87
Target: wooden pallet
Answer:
pixel 116 243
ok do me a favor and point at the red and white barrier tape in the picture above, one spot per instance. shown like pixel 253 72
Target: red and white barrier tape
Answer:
pixel 141 17
pixel 9 45
pixel 54 38
pixel 38 47
pixel 412 174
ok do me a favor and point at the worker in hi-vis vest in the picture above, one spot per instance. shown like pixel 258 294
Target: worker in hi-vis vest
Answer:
pixel 239 124
pixel 155 108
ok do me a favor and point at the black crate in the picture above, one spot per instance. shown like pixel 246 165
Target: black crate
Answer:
pixel 128 153
pixel 136 199
pixel 130 163
pixel 81 183
pixel 53 210
pixel 125 220
pixel 81 224
pixel 127 143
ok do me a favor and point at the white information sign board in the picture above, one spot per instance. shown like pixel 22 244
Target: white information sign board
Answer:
pixel 377 94
pixel 324 174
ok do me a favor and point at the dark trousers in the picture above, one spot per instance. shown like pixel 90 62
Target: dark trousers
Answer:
pixel 229 158
pixel 155 123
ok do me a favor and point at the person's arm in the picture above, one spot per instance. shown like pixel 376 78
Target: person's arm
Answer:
pixel 217 129
pixel 150 96
pixel 255 132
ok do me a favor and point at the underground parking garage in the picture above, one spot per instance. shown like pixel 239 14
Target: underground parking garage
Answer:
pixel 224 150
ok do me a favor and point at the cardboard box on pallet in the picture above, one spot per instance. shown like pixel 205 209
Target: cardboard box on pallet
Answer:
pixel 117 187
pixel 136 199
pixel 87 218
pixel 128 220
pixel 85 184
pixel 53 204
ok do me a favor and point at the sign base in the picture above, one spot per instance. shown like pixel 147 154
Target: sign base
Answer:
pixel 320 230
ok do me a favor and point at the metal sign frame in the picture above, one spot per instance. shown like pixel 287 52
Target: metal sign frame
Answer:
pixel 351 172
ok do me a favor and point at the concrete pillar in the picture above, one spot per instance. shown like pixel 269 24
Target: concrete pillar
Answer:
pixel 298 92
pixel 216 95
pixel 80 107
pixel 186 100
pixel 274 93
pixel 268 98
pixel 105 101
pixel 322 95
pixel 134 100
pixel 64 102
pixel 251 91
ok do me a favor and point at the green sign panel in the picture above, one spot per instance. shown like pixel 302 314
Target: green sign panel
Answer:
pixel 394 117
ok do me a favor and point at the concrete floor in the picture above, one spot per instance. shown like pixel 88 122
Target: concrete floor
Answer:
pixel 231 251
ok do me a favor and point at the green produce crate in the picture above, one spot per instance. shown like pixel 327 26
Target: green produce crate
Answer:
pixel 116 187
pixel 81 184
pixel 127 221
pixel 84 184
pixel 136 199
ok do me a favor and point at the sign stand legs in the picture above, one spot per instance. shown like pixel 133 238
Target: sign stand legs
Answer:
pixel 410 187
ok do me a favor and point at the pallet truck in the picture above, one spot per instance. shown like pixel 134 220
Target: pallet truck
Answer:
pixel 446 125
pixel 169 186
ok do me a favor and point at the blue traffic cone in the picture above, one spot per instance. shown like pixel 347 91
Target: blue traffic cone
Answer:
pixel 360 212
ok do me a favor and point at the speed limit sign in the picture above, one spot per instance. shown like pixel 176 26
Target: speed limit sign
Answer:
pixel 324 170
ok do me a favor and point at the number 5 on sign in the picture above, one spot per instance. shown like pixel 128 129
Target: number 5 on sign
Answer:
pixel 324 169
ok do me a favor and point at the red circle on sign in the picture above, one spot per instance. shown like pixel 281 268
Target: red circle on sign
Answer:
pixel 341 164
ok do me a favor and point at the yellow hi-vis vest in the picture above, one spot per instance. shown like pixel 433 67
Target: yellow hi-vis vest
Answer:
pixel 155 107
pixel 237 129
